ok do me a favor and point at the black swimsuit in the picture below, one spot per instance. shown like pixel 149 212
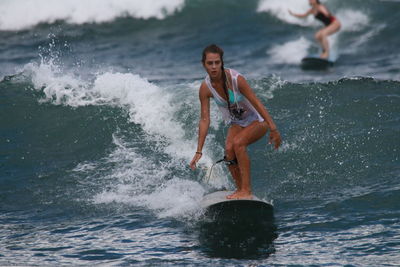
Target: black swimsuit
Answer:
pixel 325 19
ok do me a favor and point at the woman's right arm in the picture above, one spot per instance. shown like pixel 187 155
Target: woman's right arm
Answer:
pixel 204 123
pixel 309 12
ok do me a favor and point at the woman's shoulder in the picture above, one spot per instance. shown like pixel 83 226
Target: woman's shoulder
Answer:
pixel 322 8
pixel 203 85
pixel 311 11
pixel 204 89
pixel 234 73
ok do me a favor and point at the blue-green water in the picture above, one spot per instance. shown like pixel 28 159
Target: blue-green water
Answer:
pixel 99 111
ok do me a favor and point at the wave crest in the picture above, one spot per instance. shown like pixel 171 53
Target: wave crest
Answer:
pixel 25 14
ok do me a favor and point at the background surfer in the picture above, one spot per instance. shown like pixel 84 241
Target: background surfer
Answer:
pixel 249 119
pixel 332 24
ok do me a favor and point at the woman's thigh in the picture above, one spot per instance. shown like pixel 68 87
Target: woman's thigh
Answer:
pixel 244 136
pixel 331 29
pixel 233 131
pixel 251 133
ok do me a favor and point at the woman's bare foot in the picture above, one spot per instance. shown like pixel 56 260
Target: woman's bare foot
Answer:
pixel 229 196
pixel 240 195
pixel 324 55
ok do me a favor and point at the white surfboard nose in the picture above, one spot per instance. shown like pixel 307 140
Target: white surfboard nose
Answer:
pixel 220 197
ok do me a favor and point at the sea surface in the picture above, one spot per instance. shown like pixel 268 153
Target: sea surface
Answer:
pixel 98 123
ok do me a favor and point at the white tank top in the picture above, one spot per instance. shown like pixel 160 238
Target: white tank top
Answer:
pixel 242 112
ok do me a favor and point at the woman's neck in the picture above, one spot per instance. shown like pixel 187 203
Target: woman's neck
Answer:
pixel 217 79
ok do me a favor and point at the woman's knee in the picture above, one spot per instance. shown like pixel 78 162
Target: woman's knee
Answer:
pixel 230 151
pixel 234 147
pixel 238 144
pixel 319 36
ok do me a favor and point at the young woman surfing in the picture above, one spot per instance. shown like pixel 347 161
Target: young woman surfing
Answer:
pixel 248 118
pixel 332 24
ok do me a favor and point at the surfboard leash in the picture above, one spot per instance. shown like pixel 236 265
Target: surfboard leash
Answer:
pixel 212 166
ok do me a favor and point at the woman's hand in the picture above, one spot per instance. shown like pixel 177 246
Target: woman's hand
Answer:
pixel 195 159
pixel 275 138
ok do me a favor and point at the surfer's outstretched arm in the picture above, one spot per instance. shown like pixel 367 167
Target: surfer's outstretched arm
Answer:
pixel 309 12
pixel 204 123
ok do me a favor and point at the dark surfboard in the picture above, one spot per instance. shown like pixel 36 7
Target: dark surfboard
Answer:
pixel 315 63
pixel 217 205
pixel 234 228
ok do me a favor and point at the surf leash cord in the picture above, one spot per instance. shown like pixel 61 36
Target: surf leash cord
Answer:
pixel 227 162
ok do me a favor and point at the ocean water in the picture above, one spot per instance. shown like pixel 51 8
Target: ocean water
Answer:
pixel 99 111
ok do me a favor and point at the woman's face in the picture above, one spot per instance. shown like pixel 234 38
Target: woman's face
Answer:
pixel 312 2
pixel 213 64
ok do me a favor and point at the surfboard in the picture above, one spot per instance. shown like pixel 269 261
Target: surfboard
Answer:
pixel 316 63
pixel 236 228
pixel 217 205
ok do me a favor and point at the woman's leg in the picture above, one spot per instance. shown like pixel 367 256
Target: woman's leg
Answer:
pixel 322 37
pixel 230 154
pixel 238 140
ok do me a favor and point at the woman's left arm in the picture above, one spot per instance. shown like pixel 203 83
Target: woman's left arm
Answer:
pixel 246 90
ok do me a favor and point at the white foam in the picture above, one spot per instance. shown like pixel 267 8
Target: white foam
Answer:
pixel 176 198
pixel 353 21
pixel 59 88
pixel 291 52
pixel 148 105
pixel 135 179
pixel 24 14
